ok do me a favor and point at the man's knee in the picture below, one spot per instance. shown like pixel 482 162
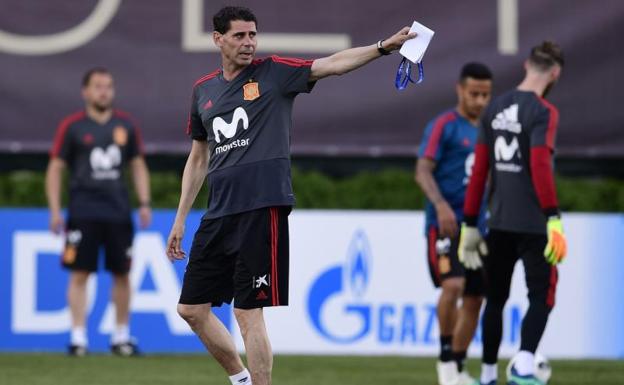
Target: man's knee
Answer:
pixel 79 278
pixel 453 287
pixel 192 314
pixel 248 319
pixel 472 303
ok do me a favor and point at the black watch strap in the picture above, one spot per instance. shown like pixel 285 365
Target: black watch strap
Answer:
pixel 381 49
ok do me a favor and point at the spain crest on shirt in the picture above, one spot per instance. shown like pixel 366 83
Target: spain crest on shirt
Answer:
pixel 251 91
pixel 120 135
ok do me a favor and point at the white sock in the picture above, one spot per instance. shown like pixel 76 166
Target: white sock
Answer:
pixel 242 378
pixel 79 336
pixel 525 363
pixel 120 335
pixel 489 373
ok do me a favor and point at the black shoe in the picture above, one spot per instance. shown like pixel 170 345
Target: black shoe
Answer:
pixel 76 351
pixel 126 349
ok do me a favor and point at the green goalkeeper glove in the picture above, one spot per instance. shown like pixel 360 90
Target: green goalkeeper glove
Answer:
pixel 556 248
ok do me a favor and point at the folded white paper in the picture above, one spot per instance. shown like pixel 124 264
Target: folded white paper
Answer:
pixel 414 49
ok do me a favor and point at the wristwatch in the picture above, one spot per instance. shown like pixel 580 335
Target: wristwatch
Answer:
pixel 381 49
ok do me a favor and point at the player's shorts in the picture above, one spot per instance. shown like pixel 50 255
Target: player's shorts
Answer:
pixel 444 263
pixel 242 257
pixel 85 238
pixel 505 248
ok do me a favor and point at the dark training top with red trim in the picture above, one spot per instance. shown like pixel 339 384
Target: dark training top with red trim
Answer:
pixel 247 123
pixel 96 155
pixel 515 146
pixel 449 141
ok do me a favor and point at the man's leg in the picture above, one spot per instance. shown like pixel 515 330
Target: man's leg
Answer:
pixel 80 257
pixel 77 299
pixel 541 280
pixel 443 267
pixel 120 294
pixel 499 266
pixel 257 345
pixel 452 289
pixel 467 321
pixel 213 335
pixel 118 247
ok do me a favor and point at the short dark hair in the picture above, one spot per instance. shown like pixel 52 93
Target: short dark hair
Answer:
pixel 86 78
pixel 546 55
pixel 221 20
pixel 475 70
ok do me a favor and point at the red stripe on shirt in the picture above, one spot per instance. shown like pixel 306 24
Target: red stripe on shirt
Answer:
pixel 293 62
pixel 552 287
pixel 207 77
pixel 61 131
pixel 476 186
pixel 543 178
pixel 553 123
pixel 436 133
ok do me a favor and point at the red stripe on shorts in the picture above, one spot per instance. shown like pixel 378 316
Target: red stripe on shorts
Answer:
pixel 552 287
pixel 274 249
pixel 433 255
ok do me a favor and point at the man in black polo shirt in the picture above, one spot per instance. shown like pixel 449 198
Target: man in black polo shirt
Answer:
pixel 96 144
pixel 515 151
pixel 240 122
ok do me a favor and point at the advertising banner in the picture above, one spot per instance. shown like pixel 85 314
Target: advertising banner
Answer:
pixel 359 284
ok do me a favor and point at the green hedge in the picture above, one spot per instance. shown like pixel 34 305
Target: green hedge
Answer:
pixel 390 189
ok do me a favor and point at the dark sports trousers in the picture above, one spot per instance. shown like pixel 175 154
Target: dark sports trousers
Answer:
pixel 444 263
pixel 85 238
pixel 505 248
pixel 242 257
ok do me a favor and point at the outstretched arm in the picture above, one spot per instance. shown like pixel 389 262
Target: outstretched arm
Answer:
pixel 353 58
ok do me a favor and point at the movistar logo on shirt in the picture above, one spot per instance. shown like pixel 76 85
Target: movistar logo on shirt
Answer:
pixel 104 163
pixel 228 130
pixel 508 120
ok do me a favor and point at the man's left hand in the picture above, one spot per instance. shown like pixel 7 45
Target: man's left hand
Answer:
pixel 395 41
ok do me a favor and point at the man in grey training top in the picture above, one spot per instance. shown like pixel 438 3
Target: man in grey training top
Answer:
pixel 240 122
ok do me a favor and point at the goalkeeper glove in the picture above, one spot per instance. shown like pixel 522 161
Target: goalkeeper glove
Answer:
pixel 556 248
pixel 471 247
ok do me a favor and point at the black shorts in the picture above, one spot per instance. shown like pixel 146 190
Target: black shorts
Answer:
pixel 505 248
pixel 242 257
pixel 84 238
pixel 444 263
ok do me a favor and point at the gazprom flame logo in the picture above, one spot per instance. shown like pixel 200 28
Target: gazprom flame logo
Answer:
pixel 358 260
pixel 341 288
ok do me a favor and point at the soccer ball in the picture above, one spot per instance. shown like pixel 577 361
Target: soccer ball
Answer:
pixel 543 370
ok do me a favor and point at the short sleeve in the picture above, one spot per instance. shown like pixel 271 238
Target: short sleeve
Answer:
pixel 135 142
pixel 432 144
pixel 292 74
pixel 545 127
pixel 62 145
pixel 195 128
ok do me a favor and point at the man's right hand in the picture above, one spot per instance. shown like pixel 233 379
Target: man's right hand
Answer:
pixel 57 224
pixel 174 243
pixel 447 221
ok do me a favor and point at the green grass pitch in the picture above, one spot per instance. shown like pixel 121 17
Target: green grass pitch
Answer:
pixel 54 369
